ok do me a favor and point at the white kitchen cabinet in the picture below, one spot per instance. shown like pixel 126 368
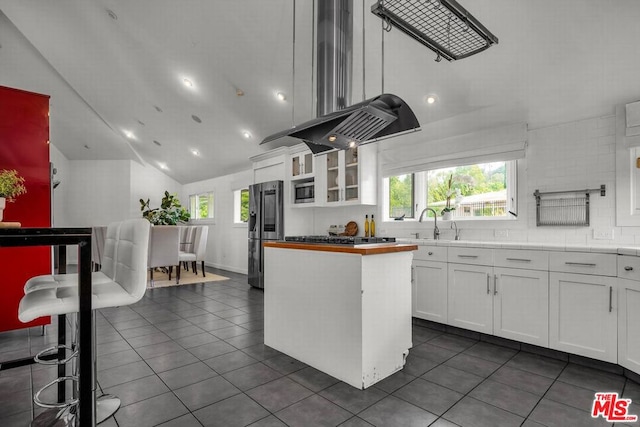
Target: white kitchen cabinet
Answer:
pixel 301 165
pixel 429 283
pixel 583 315
pixel 629 312
pixel 347 177
pixel 521 305
pixel 506 302
pixel 469 297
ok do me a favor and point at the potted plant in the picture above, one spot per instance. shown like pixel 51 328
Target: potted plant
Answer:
pixel 446 212
pixel 11 186
pixel 170 212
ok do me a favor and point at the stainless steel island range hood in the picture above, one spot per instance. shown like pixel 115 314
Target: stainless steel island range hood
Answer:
pixel 338 125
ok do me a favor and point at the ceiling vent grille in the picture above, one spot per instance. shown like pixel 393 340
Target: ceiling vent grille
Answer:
pixel 442 25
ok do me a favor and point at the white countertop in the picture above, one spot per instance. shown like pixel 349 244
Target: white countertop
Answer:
pixel 605 249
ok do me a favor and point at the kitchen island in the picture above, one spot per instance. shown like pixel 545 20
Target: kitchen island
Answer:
pixel 344 310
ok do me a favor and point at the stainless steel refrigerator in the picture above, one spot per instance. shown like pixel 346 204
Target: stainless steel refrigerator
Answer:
pixel 265 223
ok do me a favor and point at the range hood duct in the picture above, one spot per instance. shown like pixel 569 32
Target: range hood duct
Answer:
pixel 338 125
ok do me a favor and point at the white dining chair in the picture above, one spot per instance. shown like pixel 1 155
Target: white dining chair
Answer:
pixel 199 250
pixel 164 249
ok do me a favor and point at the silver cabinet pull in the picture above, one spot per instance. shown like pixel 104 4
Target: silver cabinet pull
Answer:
pixel 495 284
pixel 488 290
pixel 467 256
pixel 628 268
pixel 610 298
pixel 581 264
pixel 519 259
pixel 412 274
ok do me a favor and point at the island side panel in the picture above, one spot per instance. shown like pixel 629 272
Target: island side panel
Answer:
pixel 386 314
pixel 312 309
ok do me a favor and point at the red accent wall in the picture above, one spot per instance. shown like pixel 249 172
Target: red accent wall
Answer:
pixel 24 146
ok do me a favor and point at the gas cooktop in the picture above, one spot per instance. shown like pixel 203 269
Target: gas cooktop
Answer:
pixel 340 240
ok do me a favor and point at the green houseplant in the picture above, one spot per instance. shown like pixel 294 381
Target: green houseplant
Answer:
pixel 170 212
pixel 450 192
pixel 11 186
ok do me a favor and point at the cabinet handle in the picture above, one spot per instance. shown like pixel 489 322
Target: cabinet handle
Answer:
pixel 488 290
pixel 429 253
pixel 519 259
pixel 581 264
pixel 495 284
pixel 628 268
pixel 467 256
pixel 610 298
pixel 411 274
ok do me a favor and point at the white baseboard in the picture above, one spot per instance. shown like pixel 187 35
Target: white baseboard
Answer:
pixel 227 267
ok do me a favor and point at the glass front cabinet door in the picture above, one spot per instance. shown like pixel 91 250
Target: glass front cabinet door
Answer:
pixel 350 176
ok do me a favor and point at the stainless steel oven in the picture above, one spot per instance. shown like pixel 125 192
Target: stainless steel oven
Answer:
pixel 304 192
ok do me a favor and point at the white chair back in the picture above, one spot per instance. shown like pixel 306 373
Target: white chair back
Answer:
pixel 97 244
pixel 132 250
pixel 108 260
pixel 164 246
pixel 200 244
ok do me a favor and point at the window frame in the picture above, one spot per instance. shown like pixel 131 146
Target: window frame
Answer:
pixel 421 187
pixel 194 202
pixel 237 207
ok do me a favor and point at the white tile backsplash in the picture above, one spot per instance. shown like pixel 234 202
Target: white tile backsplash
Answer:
pixel 576 155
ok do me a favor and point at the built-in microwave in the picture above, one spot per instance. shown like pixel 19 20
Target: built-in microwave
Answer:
pixel 305 192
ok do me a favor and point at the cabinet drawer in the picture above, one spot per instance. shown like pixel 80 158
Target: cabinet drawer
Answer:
pixel 431 253
pixel 629 267
pixel 531 260
pixel 475 256
pixel 583 263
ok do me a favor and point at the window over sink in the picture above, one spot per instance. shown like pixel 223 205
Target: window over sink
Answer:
pixel 469 192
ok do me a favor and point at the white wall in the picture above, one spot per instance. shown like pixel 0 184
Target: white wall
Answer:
pixel 60 194
pixel 147 182
pixel 227 241
pixel 575 155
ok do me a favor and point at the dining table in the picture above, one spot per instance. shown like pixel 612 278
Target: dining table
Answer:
pixel 28 236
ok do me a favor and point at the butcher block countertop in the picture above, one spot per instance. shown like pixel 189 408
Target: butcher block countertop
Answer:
pixel 366 249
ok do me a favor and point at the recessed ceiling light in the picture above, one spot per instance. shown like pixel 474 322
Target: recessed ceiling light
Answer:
pixel 129 134
pixel 163 166
pixel 332 138
pixel 352 144
pixel 239 92
pixel 187 82
pixel 281 96
pixel 431 99
pixel 196 118
pixel 246 134
pixel 195 152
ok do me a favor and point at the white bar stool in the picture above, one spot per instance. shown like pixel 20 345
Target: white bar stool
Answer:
pixel 127 287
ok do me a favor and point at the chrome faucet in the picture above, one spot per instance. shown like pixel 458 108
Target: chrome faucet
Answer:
pixel 454 225
pixel 436 231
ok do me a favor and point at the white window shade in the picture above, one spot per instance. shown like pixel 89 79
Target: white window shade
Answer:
pixel 500 144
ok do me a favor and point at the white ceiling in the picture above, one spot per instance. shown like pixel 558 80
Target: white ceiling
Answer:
pixel 557 61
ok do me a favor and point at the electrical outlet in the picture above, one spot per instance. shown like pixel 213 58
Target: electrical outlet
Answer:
pixel 501 233
pixel 603 233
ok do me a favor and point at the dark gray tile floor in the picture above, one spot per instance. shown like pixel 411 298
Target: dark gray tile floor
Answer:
pixel 193 355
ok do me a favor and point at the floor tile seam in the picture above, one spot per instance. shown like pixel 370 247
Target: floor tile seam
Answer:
pixel 544 395
pixel 524 418
pixel 404 400
pixel 128 381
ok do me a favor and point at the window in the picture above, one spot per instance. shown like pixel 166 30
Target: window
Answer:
pixel 241 206
pixel 478 191
pixel 201 206
pixel 401 196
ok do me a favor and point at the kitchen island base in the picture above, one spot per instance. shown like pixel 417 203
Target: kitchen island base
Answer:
pixel 345 314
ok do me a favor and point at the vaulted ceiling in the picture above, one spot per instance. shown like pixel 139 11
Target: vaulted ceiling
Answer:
pixel 116 72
